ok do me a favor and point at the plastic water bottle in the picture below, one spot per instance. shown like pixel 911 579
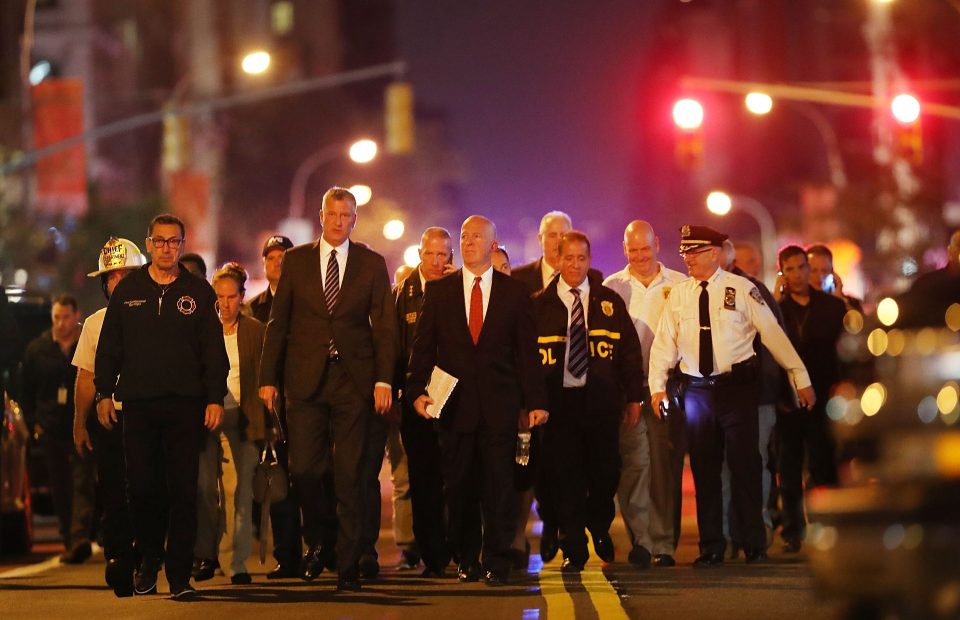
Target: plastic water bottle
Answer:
pixel 523 448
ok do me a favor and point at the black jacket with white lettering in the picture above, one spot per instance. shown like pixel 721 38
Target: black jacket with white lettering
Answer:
pixel 162 344
pixel 615 371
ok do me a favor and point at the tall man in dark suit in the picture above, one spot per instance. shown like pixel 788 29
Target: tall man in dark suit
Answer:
pixel 477 324
pixel 331 339
pixel 536 276
pixel 284 515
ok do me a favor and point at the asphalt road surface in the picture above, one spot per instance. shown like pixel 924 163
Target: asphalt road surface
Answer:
pixel 38 587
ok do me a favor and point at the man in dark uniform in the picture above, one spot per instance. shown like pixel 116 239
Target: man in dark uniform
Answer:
pixel 161 336
pixel 477 324
pixel 814 322
pixel 48 384
pixel 419 434
pixel 284 515
pixel 274 249
pixel 708 326
pixel 594 367
pixel 331 343
pixel 536 276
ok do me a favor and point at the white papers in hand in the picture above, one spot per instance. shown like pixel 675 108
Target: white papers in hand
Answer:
pixel 439 389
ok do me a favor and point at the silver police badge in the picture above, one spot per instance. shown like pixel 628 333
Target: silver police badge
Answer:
pixel 186 305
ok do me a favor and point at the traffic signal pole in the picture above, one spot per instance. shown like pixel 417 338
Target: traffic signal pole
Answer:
pixel 27 160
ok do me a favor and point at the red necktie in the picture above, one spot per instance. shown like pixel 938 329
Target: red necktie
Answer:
pixel 476 310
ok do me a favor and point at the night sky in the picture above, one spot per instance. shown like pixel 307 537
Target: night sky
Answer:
pixel 541 98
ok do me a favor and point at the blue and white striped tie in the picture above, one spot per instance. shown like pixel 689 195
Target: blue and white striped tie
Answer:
pixel 577 363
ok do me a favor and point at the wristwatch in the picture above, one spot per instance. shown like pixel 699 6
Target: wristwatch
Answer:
pixel 101 396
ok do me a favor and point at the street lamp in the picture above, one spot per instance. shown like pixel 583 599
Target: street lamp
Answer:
pixel 905 108
pixel 411 256
pixel 393 230
pixel 361 152
pixel 721 203
pixel 362 193
pixel 761 104
pixel 256 62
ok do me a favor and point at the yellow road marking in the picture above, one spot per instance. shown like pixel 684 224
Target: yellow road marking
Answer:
pixel 562 604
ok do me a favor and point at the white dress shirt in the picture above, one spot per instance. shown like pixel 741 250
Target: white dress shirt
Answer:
pixel 342 250
pixel 737 314
pixel 563 292
pixel 486 282
pixel 547 273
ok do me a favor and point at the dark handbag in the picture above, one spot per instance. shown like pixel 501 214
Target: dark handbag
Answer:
pixel 270 485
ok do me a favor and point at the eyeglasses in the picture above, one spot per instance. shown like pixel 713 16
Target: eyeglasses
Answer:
pixel 159 242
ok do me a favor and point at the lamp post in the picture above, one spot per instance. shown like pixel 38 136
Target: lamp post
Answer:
pixel 720 203
pixel 760 104
pixel 361 152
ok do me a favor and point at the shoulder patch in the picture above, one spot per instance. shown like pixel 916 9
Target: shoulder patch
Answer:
pixel 607 307
pixel 757 297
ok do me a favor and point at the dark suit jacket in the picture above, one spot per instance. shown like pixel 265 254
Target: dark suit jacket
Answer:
pixel 250 345
pixel 531 275
pixel 362 326
pixel 259 306
pixel 498 376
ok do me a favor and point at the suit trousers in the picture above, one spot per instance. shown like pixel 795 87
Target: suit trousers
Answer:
pixel 327 434
pixel 721 420
pixel 803 434
pixel 583 466
pixel 161 443
pixel 767 419
pixel 425 469
pixel 478 477
pixel 650 491
pixel 112 490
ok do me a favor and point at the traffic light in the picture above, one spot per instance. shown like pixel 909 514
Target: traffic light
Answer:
pixel 908 135
pixel 688 117
pixel 399 118
pixel 176 141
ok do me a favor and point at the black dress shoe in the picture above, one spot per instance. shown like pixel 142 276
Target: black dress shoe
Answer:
pixel 791 546
pixel 183 592
pixel 468 573
pixel 494 578
pixel 520 558
pixel 431 572
pixel 569 566
pixel 756 557
pixel 282 572
pixel 241 579
pixel 145 579
pixel 664 560
pixel 119 576
pixel 205 569
pixel 708 560
pixel 639 557
pixel 549 543
pixel 603 545
pixel 78 555
pixel 312 564
pixel 368 567
pixel 348 584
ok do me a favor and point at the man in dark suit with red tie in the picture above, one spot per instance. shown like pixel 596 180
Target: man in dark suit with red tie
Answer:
pixel 331 340
pixel 477 324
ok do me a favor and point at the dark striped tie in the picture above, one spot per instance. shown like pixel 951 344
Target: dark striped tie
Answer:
pixel 577 363
pixel 331 289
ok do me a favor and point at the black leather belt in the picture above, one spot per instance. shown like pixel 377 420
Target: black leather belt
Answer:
pixel 741 372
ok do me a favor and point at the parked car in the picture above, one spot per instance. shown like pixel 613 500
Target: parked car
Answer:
pixel 16 514
pixel 887 540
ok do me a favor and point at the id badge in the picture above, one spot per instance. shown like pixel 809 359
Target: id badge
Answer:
pixel 62 395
